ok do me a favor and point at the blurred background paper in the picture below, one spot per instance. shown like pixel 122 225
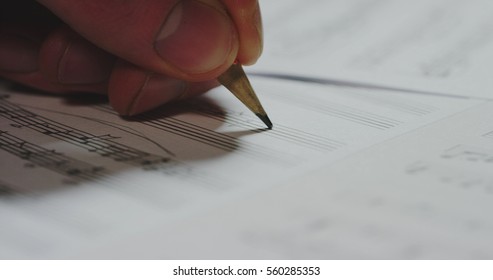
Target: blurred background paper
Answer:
pixel 435 46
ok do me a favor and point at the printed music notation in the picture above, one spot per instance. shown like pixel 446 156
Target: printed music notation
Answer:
pixel 104 145
pixel 489 135
pixel 94 175
pixel 45 158
pixel 469 153
pixel 100 144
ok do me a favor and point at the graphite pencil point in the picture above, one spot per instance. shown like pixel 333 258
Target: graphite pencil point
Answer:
pixel 236 81
pixel 265 119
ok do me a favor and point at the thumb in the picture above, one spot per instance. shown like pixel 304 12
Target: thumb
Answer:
pixel 193 40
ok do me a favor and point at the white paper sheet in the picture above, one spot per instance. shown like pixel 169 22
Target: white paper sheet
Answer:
pixel 352 169
pixel 435 46
pixel 427 194
pixel 75 176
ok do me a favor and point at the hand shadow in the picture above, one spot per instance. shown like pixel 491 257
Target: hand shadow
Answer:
pixel 192 128
pixel 197 123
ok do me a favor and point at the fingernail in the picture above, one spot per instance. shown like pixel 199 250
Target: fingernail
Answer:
pixel 18 54
pixel 196 38
pixel 83 63
pixel 155 92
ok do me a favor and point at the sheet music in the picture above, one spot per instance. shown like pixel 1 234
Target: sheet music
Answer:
pixel 75 176
pixel 354 168
pixel 426 194
pixel 435 46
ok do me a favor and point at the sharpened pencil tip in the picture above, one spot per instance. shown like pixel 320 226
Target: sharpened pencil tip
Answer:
pixel 265 119
pixel 236 81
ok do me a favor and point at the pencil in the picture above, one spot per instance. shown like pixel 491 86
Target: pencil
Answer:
pixel 236 81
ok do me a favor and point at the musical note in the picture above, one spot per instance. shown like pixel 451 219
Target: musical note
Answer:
pixel 468 153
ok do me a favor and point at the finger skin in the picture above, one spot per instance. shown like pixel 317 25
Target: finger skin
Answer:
pixel 129 30
pixel 67 58
pixel 67 62
pixel 132 90
pixel 37 81
pixel 20 51
pixel 248 22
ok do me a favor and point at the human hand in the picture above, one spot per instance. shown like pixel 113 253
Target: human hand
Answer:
pixel 141 53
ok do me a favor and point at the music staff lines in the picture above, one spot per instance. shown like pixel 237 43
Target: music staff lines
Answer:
pixel 404 106
pixel 100 144
pixel 49 159
pixel 206 136
pixel 281 132
pixel 355 115
pixel 342 112
pixel 212 138
pixel 291 135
